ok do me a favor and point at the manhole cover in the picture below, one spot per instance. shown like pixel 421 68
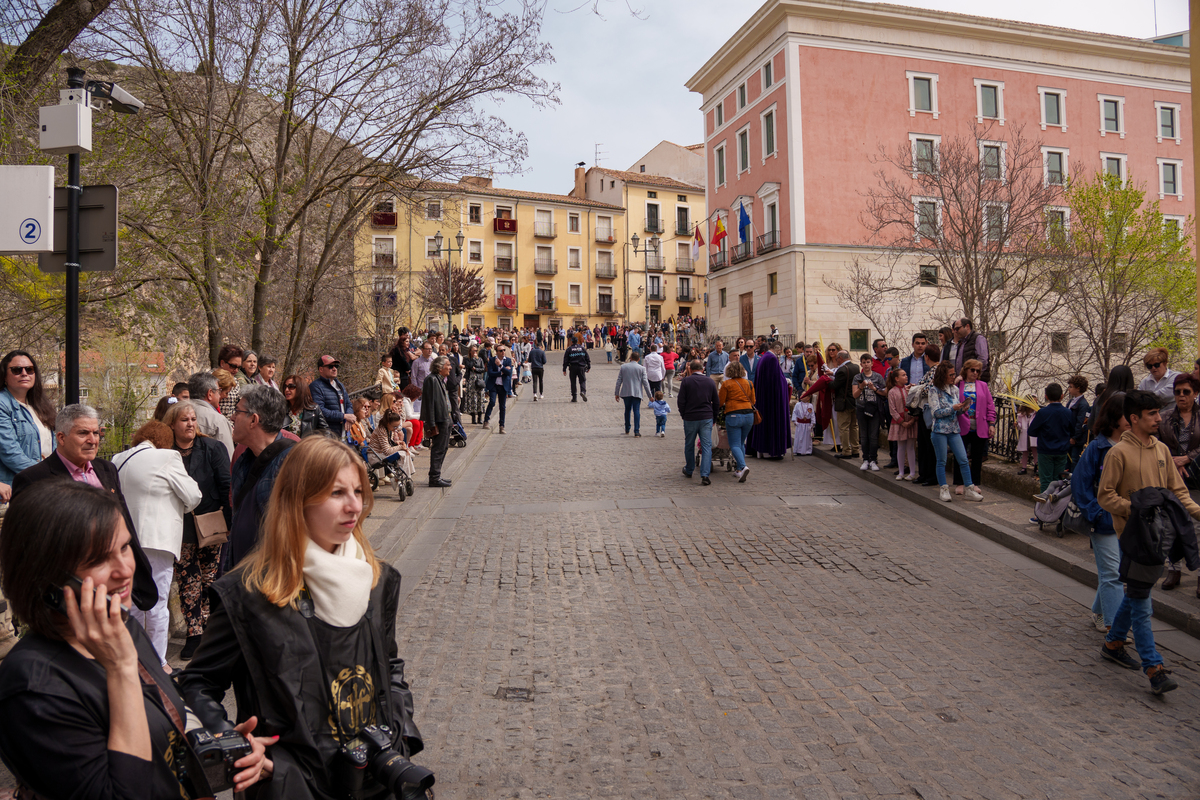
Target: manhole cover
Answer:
pixel 514 694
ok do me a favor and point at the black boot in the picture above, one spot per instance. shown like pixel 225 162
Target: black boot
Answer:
pixel 189 647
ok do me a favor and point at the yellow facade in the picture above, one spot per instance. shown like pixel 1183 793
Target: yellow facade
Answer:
pixel 562 264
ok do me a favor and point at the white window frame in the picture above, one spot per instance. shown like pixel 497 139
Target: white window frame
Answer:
pixel 1123 158
pixel 498 207
pixel 573 219
pixel 743 96
pixel 744 131
pixel 475 205
pixel 1066 156
pixel 721 164
pixel 601 291
pixel 1062 107
pixel 475 320
pixel 441 208
pixel 768 73
pixel 1003 216
pixel 1120 131
pixel 430 241
pixel 912 93
pixel 374 240
pixel 937 201
pixel 578 289
pixel 512 252
pixel 1003 158
pixel 762 124
pixel 691 222
pixel 719 115
pixel 510 281
pixel 1162 184
pixel 471 242
pixel 979 84
pixel 541 285
pixel 1066 211
pixel 610 262
pixel 1177 219
pixel 578 252
pixel 912 143
pixel 610 226
pixel 504 323
pixel 1178 109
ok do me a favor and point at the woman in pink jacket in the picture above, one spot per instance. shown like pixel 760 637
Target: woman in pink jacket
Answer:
pixel 975 423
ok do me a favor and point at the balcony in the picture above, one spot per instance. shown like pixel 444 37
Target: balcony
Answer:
pixel 604 307
pixel 768 241
pixel 656 295
pixel 656 263
pixel 605 235
pixel 383 219
pixel 740 252
pixel 545 266
pixel 606 271
pixel 685 265
pixel 506 302
pixel 545 230
pixel 686 296
pixel 547 304
pixel 505 264
pixel 683 228
pixel 718 260
pixel 383 260
pixel 654 225
pixel 385 299
pixel 501 225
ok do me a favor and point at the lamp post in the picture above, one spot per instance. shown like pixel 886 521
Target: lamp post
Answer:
pixel 649 249
pixel 437 240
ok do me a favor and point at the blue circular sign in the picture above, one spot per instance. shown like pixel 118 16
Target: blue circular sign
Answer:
pixel 31 231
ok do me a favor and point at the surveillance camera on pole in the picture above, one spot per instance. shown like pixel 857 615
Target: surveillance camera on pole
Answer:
pixel 67 128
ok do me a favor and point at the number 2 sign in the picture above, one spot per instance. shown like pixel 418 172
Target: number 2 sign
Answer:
pixel 31 231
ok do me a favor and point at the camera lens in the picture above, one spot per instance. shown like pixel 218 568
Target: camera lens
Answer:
pixel 401 775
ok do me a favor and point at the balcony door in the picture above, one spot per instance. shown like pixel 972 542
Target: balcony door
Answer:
pixel 652 219
pixel 683 226
pixel 746 303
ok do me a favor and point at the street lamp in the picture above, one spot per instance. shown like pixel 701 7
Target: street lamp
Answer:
pixel 649 249
pixel 437 241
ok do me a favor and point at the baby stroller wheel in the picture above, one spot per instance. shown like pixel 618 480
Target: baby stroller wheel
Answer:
pixel 408 486
pixel 1058 529
pixel 373 478
pixel 460 442
pixel 400 491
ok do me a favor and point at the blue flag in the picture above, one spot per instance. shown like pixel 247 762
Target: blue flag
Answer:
pixel 743 223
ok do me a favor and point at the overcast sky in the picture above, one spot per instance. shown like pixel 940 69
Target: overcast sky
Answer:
pixel 623 77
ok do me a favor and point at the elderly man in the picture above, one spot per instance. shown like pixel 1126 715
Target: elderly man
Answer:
pixel 77 431
pixel 1161 380
pixel 715 364
pixel 330 395
pixel 844 404
pixel 258 418
pixel 435 415
pixel 206 397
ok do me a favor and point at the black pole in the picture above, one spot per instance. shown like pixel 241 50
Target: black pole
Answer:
pixel 74 191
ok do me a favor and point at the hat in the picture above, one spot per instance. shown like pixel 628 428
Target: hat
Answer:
pixel 327 361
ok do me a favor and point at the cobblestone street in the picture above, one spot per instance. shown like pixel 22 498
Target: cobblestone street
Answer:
pixel 581 620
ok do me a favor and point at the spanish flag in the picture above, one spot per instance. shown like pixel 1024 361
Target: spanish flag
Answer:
pixel 718 232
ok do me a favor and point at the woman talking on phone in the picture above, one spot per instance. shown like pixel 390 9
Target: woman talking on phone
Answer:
pixel 87 709
pixel 304 632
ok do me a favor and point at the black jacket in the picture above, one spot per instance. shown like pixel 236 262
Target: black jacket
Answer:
pixel 145 593
pixel 843 396
pixel 208 466
pixel 313 421
pixel 267 654
pixel 1080 412
pixel 697 398
pixel 1144 546
pixel 576 357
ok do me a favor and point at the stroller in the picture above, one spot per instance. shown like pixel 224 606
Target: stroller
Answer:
pixel 1052 505
pixel 399 470
pixel 458 435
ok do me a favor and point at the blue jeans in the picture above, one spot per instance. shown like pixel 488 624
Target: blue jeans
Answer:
pixel 955 443
pixel 691 429
pixel 737 428
pixel 633 404
pixel 660 424
pixel 609 354
pixel 1109 591
pixel 1136 614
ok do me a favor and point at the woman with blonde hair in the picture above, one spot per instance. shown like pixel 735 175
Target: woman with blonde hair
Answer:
pixel 304 631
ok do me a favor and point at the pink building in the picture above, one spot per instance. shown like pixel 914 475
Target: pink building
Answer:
pixel 801 98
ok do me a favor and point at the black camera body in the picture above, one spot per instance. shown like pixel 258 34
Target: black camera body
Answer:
pixel 372 751
pixel 216 755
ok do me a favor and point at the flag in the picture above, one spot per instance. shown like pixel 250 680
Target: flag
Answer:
pixel 697 243
pixel 743 223
pixel 718 231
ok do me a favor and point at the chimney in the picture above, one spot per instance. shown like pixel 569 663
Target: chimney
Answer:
pixel 477 181
pixel 580 182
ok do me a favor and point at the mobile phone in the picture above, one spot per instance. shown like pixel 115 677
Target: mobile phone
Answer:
pixel 56 599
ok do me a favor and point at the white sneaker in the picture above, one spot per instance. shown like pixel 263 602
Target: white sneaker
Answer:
pixel 866 465
pixel 1098 621
pixel 944 494
pixel 874 466
pixel 974 494
pixel 742 474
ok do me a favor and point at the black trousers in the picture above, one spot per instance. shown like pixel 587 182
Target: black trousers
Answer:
pixel 976 452
pixel 926 457
pixel 539 382
pixel 437 450
pixel 578 375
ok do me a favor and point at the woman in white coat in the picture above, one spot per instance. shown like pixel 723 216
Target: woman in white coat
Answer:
pixel 158 491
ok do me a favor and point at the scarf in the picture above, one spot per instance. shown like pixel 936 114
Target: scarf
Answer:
pixel 339 582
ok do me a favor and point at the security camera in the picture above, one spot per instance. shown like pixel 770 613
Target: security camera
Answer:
pixel 116 98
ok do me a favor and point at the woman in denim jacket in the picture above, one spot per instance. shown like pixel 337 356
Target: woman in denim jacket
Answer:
pixel 944 408
pixel 26 419
pixel 1110 423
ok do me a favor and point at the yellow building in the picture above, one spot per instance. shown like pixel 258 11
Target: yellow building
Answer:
pixel 668 284
pixel 546 259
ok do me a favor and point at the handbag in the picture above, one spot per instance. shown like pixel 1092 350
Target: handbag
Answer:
pixel 1073 521
pixel 211 528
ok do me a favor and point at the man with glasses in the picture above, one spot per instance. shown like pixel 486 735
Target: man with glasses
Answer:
pixel 1161 380
pixel 331 396
pixel 258 419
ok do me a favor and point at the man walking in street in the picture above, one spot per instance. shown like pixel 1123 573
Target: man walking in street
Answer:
pixel 435 416
pixel 577 361
pixel 715 364
pixel 843 403
pixel 656 368
pixel 331 396
pixel 1139 461
pixel 697 403
pixel 537 368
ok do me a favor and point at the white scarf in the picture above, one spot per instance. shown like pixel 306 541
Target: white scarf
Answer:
pixel 339 582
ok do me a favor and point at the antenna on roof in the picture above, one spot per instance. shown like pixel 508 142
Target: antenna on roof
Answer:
pixel 599 153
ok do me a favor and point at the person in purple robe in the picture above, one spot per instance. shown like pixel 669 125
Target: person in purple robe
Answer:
pixel 771 438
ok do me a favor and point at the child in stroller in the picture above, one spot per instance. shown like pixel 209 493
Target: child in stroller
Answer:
pixel 383 453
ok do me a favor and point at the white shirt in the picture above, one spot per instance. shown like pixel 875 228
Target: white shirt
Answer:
pixel 45 437
pixel 656 369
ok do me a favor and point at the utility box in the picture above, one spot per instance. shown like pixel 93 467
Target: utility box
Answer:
pixel 26 210
pixel 65 128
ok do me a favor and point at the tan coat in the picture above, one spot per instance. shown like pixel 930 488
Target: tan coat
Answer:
pixel 1132 465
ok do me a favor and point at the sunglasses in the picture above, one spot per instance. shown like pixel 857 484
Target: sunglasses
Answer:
pixel 1183 392
pixel 22 370
pixel 1155 364
pixel 289 386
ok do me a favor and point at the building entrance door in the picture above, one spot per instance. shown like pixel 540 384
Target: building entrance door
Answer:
pixel 532 321
pixel 746 302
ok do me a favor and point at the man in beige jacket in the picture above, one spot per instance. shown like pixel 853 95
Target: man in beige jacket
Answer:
pixel 1136 462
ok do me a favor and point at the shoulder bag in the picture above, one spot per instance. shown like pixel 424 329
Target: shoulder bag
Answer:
pixel 757 416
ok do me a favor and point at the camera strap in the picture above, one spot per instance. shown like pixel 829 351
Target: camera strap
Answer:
pixel 195 773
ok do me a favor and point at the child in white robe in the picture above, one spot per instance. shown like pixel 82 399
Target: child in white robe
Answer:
pixel 802 422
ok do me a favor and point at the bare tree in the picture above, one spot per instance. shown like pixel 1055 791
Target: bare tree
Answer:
pixel 45 30
pixel 465 285
pixel 976 209
pixel 885 295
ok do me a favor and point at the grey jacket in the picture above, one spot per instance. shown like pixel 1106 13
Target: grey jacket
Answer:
pixel 631 380
pixel 213 423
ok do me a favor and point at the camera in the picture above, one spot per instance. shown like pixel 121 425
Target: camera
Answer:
pixel 372 751
pixel 216 754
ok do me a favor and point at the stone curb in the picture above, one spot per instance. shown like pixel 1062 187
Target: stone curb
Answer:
pixel 1165 608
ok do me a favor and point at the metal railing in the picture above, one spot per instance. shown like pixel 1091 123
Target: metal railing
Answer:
pixel 384 260
pixel 656 294
pixel 606 271
pixel 605 234
pixel 656 263
pixel 1004 434
pixel 740 252
pixel 605 308
pixel 718 260
pixel 682 229
pixel 685 265
pixel 504 264
pixel 654 225
pixel 546 304
pixel 545 266
pixel 768 241
pixel 686 296
pixel 545 230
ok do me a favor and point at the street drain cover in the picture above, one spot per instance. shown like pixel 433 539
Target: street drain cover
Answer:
pixel 514 694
